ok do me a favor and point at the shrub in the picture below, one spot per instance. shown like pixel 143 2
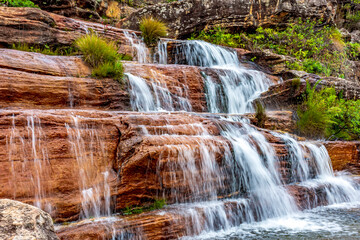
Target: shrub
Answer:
pixel 152 29
pixel 318 48
pixel 19 3
pixel 102 56
pixel 325 114
pixel 96 50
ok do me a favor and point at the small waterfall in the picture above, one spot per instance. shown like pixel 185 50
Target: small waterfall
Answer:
pixel 156 96
pixel 139 50
pixel 94 188
pixel 28 158
pixel 234 88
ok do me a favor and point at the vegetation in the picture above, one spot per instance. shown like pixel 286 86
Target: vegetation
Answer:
pixel 318 48
pixel 325 113
pixel 46 49
pixel 101 55
pixel 19 3
pixel 152 29
pixel 158 204
pixel 260 114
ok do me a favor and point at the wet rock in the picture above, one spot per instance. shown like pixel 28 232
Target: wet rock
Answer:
pixel 187 16
pixel 344 156
pixel 22 221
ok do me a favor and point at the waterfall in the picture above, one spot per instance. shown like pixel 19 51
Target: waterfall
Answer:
pixel 139 52
pixel 93 179
pixel 156 96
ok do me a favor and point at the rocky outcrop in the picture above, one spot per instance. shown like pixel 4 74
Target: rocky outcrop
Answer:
pixel 185 17
pixel 344 156
pixel 289 93
pixel 34 26
pixel 22 221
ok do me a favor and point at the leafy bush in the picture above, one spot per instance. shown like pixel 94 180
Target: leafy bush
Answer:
pixel 96 50
pixel 18 3
pixel 325 114
pixel 102 56
pixel 319 49
pixel 152 29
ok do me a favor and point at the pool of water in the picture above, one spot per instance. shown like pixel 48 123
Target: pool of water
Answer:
pixel 340 222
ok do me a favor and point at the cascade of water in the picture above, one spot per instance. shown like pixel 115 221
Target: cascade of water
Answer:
pixel 236 86
pixel 94 189
pixel 156 96
pixel 29 148
pixel 139 50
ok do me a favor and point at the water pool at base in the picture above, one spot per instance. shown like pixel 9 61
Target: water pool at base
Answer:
pixel 335 222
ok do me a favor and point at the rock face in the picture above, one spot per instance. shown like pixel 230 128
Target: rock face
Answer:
pixel 345 156
pixel 185 17
pixel 22 221
pixel 34 26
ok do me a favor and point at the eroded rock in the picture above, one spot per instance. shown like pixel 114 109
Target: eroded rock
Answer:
pixel 25 222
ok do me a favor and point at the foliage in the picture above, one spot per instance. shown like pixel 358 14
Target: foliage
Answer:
pixel 152 29
pixel 109 69
pixel 260 114
pixel 325 114
pixel 102 56
pixel 19 3
pixel 158 204
pixel 46 49
pixel 318 48
pixel 96 50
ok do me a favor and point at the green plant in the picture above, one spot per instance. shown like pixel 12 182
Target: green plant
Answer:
pixel 19 3
pixel 325 113
pixel 260 114
pixel 152 29
pixel 96 50
pixel 158 204
pixel 109 69
pixel 317 48
pixel 45 49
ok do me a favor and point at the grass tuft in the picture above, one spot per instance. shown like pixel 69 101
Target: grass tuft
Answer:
pixel 152 29
pixel 96 50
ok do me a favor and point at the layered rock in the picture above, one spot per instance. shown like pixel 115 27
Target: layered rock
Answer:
pixel 344 156
pixel 185 17
pixel 34 26
pixel 22 221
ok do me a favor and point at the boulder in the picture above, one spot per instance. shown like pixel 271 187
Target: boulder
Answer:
pixel 188 16
pixel 25 222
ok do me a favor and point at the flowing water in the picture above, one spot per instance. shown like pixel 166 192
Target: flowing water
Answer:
pixel 226 187
pixel 261 200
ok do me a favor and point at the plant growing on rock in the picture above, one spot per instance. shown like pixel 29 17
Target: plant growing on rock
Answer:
pixel 325 113
pixel 101 55
pixel 19 3
pixel 152 29
pixel 260 114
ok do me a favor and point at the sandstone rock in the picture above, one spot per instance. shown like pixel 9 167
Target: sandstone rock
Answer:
pixel 22 221
pixel 185 17
pixel 344 156
pixel 34 26
pixel 276 120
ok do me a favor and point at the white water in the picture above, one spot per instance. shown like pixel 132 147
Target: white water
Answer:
pixel 156 96
pixel 139 52
pixel 93 186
